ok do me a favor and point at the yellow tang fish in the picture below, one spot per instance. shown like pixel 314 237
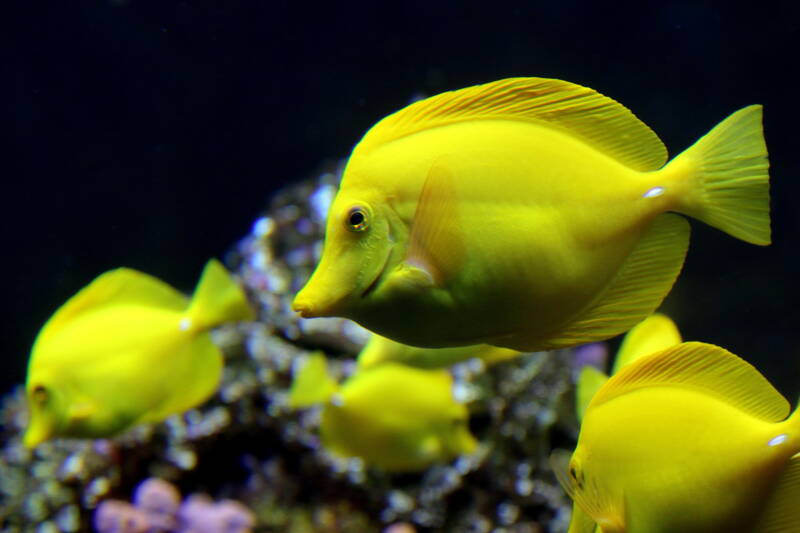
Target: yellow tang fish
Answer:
pixel 653 334
pixel 527 213
pixel 394 417
pixel 690 439
pixel 128 348
pixel 380 350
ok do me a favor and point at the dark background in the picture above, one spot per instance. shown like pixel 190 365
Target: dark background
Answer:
pixel 151 133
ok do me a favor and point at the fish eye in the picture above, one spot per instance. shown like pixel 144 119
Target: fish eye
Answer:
pixel 357 219
pixel 40 394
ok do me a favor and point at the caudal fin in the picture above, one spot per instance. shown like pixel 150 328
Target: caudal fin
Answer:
pixel 728 169
pixel 218 299
pixel 311 384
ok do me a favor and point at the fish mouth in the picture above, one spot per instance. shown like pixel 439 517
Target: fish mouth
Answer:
pixel 375 282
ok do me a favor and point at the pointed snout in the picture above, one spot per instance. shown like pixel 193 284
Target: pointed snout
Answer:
pixel 303 307
pixel 317 300
pixel 37 432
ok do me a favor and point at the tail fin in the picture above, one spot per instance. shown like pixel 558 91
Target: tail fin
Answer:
pixel 731 188
pixel 218 299
pixel 312 384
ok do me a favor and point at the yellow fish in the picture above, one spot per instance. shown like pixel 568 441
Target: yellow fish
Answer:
pixel 653 334
pixel 380 350
pixel 394 417
pixel 128 348
pixel 527 213
pixel 690 439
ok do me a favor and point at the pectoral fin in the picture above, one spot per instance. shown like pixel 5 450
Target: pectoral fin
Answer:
pixel 436 244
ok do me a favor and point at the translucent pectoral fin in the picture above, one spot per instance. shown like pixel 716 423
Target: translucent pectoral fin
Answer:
pixel 436 245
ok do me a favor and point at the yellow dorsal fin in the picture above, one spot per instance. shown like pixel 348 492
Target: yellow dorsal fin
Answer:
pixel 653 334
pixel 583 113
pixel 782 514
pixel 436 245
pixel 638 288
pixel 121 286
pixel 702 367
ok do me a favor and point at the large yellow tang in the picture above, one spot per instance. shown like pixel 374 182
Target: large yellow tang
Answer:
pixel 691 439
pixel 527 213
pixel 394 417
pixel 128 348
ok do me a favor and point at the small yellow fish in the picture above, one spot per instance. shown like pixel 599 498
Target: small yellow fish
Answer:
pixel 691 439
pixel 394 417
pixel 527 213
pixel 653 334
pixel 380 350
pixel 128 348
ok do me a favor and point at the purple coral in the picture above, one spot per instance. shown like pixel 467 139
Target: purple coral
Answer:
pixel 157 509
pixel 593 354
pixel 199 514
pixel 117 516
pixel 159 500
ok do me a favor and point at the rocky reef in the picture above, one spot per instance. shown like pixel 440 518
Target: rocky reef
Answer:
pixel 246 445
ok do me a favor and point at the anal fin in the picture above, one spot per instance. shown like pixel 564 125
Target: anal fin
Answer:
pixel 782 512
pixel 638 288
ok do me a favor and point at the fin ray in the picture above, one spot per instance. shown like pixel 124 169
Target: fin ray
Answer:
pixel 705 367
pixel 597 120
pixel 731 175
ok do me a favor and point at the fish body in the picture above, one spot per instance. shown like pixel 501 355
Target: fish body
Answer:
pixel 379 350
pixel 394 417
pixel 525 213
pixel 689 439
pixel 128 348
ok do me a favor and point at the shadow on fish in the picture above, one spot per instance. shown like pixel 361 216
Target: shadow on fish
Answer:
pixel 526 213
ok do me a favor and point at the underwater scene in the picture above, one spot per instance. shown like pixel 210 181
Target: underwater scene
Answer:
pixel 407 268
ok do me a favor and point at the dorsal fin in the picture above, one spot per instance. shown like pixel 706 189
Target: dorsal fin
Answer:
pixel 583 113
pixel 653 334
pixel 121 286
pixel 701 367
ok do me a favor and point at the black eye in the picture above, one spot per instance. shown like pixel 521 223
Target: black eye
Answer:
pixel 573 473
pixel 357 219
pixel 39 394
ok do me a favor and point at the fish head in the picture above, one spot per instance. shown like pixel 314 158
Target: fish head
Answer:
pixel 357 254
pixel 46 413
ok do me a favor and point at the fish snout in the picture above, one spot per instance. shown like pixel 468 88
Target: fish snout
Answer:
pixel 304 307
